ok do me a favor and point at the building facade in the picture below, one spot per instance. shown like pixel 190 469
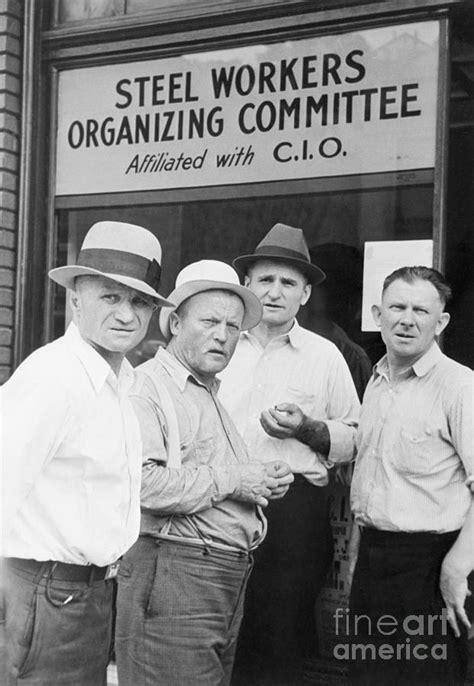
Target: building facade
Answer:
pixel 208 122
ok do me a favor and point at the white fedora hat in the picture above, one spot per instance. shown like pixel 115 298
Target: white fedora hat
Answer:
pixel 210 275
pixel 122 252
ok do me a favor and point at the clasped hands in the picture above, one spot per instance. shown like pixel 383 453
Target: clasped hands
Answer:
pixel 261 482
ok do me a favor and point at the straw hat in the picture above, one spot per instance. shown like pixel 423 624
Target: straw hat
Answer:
pixel 283 244
pixel 125 253
pixel 210 275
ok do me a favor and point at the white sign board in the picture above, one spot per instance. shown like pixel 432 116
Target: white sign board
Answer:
pixel 354 103
pixel 381 258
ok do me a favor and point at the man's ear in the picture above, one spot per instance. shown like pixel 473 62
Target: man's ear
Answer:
pixel 75 302
pixel 376 313
pixel 442 322
pixel 174 323
pixel 246 280
pixel 306 294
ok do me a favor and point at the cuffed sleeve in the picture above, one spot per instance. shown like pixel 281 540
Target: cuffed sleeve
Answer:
pixel 342 413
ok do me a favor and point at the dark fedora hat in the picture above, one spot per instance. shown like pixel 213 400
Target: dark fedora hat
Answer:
pixel 283 244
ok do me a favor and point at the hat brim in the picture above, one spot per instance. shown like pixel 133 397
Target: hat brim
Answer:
pixel 65 276
pixel 313 273
pixel 253 308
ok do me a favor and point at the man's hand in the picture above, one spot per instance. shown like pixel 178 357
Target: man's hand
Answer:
pixel 281 471
pixel 287 420
pixel 453 586
pixel 256 484
pixel 282 421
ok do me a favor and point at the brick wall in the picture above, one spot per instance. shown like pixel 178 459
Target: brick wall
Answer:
pixel 10 122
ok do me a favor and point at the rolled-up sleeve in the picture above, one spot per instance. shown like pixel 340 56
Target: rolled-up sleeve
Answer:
pixel 460 419
pixel 343 409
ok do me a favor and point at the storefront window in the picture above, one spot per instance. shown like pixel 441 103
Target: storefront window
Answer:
pixel 336 225
pixel 333 134
pixel 84 10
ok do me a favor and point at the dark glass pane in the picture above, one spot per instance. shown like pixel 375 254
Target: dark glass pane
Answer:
pixel 336 226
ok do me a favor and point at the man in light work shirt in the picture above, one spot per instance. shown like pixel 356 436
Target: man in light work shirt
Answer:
pixel 71 464
pixel 292 398
pixel 409 496
pixel 182 585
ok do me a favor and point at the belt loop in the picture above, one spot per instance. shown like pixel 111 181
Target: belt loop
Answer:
pixel 46 570
pixel 41 571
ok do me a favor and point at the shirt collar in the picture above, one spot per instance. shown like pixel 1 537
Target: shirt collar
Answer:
pixel 428 361
pixel 179 373
pixel 421 366
pixel 295 336
pixel 97 368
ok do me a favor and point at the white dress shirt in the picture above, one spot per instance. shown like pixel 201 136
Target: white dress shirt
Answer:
pixel 297 367
pixel 415 447
pixel 71 452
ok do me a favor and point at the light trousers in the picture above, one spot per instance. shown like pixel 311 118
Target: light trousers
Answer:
pixel 179 608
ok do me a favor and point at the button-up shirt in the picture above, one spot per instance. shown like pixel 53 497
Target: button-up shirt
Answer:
pixel 71 456
pixel 415 447
pixel 298 367
pixel 193 501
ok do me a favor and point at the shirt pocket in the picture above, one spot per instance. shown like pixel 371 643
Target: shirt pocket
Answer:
pixel 308 402
pixel 204 450
pixel 418 450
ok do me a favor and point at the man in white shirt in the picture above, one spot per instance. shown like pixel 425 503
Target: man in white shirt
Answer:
pixel 291 395
pixel 71 464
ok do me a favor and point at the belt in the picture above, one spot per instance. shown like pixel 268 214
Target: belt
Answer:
pixel 198 544
pixel 372 534
pixel 64 571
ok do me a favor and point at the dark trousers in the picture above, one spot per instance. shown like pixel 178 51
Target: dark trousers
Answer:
pixel 397 578
pixel 57 632
pixel 179 608
pixel 278 630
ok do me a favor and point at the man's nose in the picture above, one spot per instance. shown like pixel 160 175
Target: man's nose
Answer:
pixel 407 317
pixel 275 290
pixel 220 333
pixel 125 311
